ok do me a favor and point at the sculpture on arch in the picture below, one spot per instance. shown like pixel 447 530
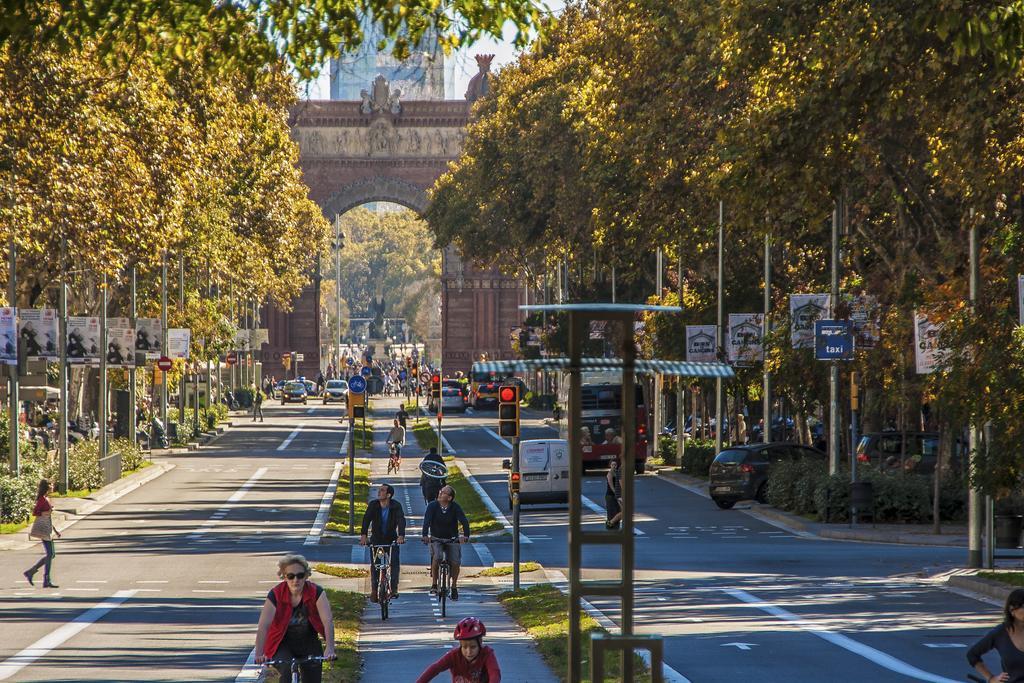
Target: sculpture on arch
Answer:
pixel 479 85
pixel 378 326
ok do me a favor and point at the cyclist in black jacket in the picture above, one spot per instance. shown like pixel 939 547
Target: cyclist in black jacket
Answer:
pixel 388 521
pixel 442 520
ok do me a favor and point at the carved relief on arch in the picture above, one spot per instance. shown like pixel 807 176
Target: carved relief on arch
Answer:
pixel 377 189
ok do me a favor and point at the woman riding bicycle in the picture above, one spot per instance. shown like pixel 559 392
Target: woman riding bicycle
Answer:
pixel 471 660
pixel 295 614
pixel 1007 639
pixel 396 439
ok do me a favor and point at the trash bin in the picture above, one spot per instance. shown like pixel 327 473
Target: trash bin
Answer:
pixel 862 498
pixel 172 432
pixel 211 422
pixel 1008 530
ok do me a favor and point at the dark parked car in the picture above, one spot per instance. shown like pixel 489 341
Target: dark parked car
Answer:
pixel 294 392
pixel 917 453
pixel 741 472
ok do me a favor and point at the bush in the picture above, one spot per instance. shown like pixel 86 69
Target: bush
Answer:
pixel 17 496
pixel 697 457
pixel 132 457
pixel 84 465
pixel 667 449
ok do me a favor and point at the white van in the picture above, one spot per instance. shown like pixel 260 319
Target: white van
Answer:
pixel 544 466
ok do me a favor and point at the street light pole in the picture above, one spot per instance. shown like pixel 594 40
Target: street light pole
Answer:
pixel 975 512
pixel 719 344
pixel 62 305
pixel 766 327
pixel 12 300
pixel 163 339
pixel 132 421
pixel 833 385
pixel 108 472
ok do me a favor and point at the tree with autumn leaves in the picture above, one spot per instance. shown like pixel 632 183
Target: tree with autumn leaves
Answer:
pixel 623 129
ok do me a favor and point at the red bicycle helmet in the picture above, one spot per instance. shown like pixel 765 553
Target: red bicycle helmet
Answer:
pixel 468 628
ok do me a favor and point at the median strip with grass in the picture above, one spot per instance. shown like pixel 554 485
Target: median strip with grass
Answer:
pixel 340 571
pixel 338 519
pixel 480 518
pixel 543 611
pixel 347 607
pixel 1009 578
pixel 524 568
pixel 426 434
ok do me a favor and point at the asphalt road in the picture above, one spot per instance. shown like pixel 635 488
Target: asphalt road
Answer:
pixel 165 584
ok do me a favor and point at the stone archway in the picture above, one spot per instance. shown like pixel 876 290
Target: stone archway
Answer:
pixel 381 149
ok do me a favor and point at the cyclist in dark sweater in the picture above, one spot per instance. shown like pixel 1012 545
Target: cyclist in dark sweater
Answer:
pixel 442 520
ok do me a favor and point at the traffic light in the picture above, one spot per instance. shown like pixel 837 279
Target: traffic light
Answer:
pixel 513 482
pixel 408 362
pixel 414 370
pixel 508 411
pixel 435 385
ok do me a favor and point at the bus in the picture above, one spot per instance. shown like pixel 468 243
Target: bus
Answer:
pixel 483 388
pixel 601 416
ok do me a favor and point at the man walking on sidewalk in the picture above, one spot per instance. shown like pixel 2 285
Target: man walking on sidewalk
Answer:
pixel 388 521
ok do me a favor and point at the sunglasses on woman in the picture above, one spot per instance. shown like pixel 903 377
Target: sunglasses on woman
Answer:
pixel 292 577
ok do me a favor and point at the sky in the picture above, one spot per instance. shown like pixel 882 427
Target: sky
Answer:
pixel 459 66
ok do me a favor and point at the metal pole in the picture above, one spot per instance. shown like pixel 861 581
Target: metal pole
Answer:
pixel 577 323
pixel 209 363
pixel 613 285
pixel 681 388
pixel 182 404
pixel 12 370
pixel 833 383
pixel 108 470
pixel 337 295
pixel 132 418
pixel 515 519
pixel 351 466
pixel 62 305
pixel 163 341
pixel 766 326
pixel 854 408
pixel 660 265
pixel 629 430
pixel 975 512
pixel 719 345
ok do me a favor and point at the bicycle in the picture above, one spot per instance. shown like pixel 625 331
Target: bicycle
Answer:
pixel 294 663
pixel 443 574
pixel 382 563
pixel 394 457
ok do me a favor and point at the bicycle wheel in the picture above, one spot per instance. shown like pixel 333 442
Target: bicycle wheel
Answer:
pixel 442 594
pixel 384 592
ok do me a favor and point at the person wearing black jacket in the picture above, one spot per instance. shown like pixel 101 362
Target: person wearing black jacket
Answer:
pixel 388 521
pixel 429 486
pixel 442 520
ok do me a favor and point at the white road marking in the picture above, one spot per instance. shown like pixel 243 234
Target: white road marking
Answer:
pixel 739 646
pixel 501 440
pixel 91 581
pixel 523 538
pixel 601 511
pixel 250 670
pixel 557 578
pixel 880 658
pixel 154 581
pixel 224 509
pixel 310 411
pixel 447 446
pixel 484 553
pixel 42 646
pixel 945 645
pixel 73 588
pixel 206 590
pixel 317 530
pixel 295 433
pixel 214 581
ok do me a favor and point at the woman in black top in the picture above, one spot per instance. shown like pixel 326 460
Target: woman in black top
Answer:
pixel 1008 639
pixel 613 495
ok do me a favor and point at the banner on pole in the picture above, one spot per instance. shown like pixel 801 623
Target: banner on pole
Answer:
pixel 241 338
pixel 149 334
pixel 261 336
pixel 866 318
pixel 744 342
pixel 927 353
pixel 120 343
pixel 1020 298
pixel 9 336
pixel 178 342
pixel 84 339
pixel 700 343
pixel 804 309
pixel 38 333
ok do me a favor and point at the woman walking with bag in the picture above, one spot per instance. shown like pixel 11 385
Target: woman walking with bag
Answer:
pixel 42 528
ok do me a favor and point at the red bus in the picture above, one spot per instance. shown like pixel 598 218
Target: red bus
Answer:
pixel 601 415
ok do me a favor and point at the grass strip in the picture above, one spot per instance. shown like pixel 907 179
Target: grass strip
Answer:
pixel 524 567
pixel 426 435
pixel 480 518
pixel 347 607
pixel 341 572
pixel 543 611
pixel 1010 578
pixel 13 527
pixel 338 519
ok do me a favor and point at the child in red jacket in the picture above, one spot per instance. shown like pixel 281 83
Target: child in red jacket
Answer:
pixel 471 661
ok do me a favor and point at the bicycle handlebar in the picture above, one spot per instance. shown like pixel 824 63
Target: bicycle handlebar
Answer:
pixel 297 660
pixel 444 540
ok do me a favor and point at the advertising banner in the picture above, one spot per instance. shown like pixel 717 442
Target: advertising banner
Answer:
pixel 241 339
pixel 866 318
pixel 84 340
pixel 178 341
pixel 804 309
pixel 927 353
pixel 1020 298
pixel 9 336
pixel 744 340
pixel 149 333
pixel 120 343
pixel 700 343
pixel 39 333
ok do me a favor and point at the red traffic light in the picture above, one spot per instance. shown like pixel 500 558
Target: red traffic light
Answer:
pixel 507 394
pixel 435 377
pixel 515 476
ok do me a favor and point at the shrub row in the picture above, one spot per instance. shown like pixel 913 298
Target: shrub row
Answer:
pixel 697 457
pixel 17 494
pixel 806 488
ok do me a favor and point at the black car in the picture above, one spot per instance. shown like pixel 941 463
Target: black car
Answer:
pixel 294 392
pixel 914 452
pixel 741 472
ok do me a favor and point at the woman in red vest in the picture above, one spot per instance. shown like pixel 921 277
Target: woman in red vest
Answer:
pixel 295 614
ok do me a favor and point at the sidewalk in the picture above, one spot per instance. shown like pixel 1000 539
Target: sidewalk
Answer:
pixel 953 534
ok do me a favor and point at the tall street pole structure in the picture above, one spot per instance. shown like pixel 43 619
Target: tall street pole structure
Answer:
pixel 975 500
pixel 833 384
pixel 766 327
pixel 132 423
pixel 12 370
pixel 107 465
pixel 163 338
pixel 719 343
pixel 339 237
pixel 62 305
pixel 182 404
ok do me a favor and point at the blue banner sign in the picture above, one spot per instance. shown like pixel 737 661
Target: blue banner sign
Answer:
pixel 833 340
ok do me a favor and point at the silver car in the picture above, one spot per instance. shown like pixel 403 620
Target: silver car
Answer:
pixel 452 400
pixel 336 391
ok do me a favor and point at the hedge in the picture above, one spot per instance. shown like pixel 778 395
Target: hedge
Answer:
pixel 697 457
pixel 806 488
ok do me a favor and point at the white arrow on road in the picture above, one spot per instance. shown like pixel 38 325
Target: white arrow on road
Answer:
pixel 945 645
pixel 741 646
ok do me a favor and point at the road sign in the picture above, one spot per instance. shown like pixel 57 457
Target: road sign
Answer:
pixel 356 384
pixel 164 363
pixel 231 358
pixel 833 340
pixel 366 372
pixel 374 386
pixel 300 356
pixel 402 375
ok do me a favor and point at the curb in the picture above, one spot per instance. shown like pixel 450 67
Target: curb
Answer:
pixel 104 496
pixel 994 590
